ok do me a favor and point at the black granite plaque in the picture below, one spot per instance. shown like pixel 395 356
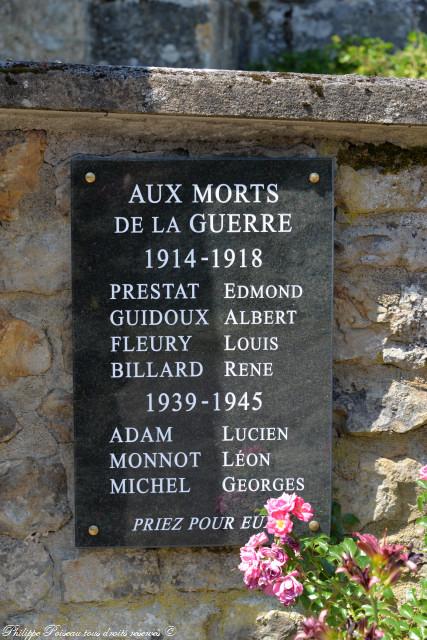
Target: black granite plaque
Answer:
pixel 202 345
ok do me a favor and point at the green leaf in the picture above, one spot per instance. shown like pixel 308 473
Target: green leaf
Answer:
pixel 368 609
pixel 406 610
pixel 349 546
pixel 310 588
pixel 328 567
pixel 397 625
pixel 388 594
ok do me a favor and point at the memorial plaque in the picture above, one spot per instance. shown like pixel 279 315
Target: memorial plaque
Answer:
pixel 202 345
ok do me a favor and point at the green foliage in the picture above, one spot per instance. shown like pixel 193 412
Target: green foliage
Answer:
pixel 343 583
pixel 347 600
pixel 364 56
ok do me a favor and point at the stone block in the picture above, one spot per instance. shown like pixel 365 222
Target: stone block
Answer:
pixel 160 617
pixel 33 441
pixel 408 315
pixel 201 570
pixel 313 23
pixel 239 619
pixel 110 575
pixel 375 478
pixel 390 503
pixel 38 262
pixel 277 625
pixel 50 316
pixel 33 497
pixel 371 190
pixel 358 345
pixel 380 319
pixel 386 242
pixel 57 408
pixel 19 168
pixel 25 573
pixel 404 356
pixel 163 33
pixel 379 399
pixel 50 30
pixel 362 295
pixel 24 350
pixel 9 426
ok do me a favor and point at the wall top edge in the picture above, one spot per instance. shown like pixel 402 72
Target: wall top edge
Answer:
pixel 212 93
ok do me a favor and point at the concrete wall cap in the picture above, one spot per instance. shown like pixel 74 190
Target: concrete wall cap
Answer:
pixel 211 93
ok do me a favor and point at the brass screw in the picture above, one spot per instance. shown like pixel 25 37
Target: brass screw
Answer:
pixel 314 178
pixel 314 526
pixel 90 177
pixel 93 530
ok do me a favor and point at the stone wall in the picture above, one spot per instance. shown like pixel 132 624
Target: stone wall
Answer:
pixel 49 114
pixel 221 34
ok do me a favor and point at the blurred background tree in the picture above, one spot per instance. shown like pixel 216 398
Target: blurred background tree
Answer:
pixel 290 35
pixel 364 56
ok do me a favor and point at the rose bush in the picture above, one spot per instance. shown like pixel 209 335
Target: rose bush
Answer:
pixel 345 588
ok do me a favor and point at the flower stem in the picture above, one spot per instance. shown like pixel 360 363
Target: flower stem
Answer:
pixel 374 607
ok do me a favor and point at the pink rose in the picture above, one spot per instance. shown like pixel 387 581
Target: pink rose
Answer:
pixel 250 566
pixel 251 577
pixel 423 472
pixel 287 588
pixel 278 554
pixel 257 540
pixel 249 558
pixel 270 571
pixel 302 510
pixel 273 553
pixel 281 526
pixel 248 555
pixel 279 507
